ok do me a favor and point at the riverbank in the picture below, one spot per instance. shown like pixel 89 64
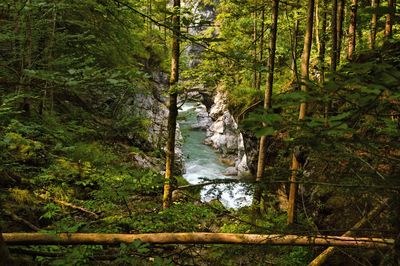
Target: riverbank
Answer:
pixel 202 162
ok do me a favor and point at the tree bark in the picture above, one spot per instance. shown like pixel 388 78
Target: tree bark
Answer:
pixel 389 19
pixel 334 53
pixel 334 36
pixel 293 192
pixel 316 27
pixel 261 58
pixel 173 110
pixel 5 257
pixel 305 57
pixel 262 154
pixel 294 51
pixel 352 29
pixel 255 76
pixel 339 28
pixel 271 59
pixel 322 50
pixel 374 18
pixel 304 69
pixel 193 238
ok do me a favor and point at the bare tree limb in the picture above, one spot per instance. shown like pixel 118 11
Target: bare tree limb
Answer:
pixel 21 220
pixel 329 251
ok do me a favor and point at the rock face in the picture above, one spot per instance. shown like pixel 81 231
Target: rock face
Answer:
pixel 204 13
pixel 150 106
pixel 204 121
pixel 223 135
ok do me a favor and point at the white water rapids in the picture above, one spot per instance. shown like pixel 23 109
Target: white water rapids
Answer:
pixel 202 161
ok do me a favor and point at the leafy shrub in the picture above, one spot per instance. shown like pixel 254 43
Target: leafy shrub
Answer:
pixel 23 149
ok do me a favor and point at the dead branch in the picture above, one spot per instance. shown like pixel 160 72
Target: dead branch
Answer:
pixel 21 220
pixel 329 251
pixel 70 205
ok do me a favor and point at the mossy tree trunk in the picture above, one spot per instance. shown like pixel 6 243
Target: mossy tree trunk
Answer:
pixel 339 26
pixel 261 47
pixel 172 107
pixel 267 102
pixel 374 18
pixel 322 38
pixel 304 71
pixel 352 29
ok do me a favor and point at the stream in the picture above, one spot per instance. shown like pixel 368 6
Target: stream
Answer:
pixel 202 161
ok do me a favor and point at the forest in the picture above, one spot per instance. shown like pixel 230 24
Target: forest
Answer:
pixel 199 132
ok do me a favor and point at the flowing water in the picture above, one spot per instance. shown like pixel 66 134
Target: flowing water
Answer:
pixel 202 161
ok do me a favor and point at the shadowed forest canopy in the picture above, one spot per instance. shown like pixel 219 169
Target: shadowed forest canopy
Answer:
pixel 261 132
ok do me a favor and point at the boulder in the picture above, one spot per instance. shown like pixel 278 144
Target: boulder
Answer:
pixel 204 121
pixel 231 171
pixel 224 135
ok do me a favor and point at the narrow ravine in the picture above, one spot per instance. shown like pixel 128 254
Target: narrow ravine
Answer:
pixel 202 161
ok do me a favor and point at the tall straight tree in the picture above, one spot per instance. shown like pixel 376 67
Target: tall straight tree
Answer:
pixel 255 55
pixel 374 18
pixel 304 71
pixel 334 51
pixel 339 26
pixel 261 47
pixel 322 38
pixel 352 29
pixel 389 19
pixel 172 107
pixel 293 64
pixel 267 99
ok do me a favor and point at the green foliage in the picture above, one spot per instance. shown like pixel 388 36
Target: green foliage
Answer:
pixel 7 106
pixel 22 149
pixel 94 153
pixel 174 219
pixel 296 256
pixel 70 76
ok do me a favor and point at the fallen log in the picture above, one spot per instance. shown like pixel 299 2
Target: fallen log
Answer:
pixel 193 238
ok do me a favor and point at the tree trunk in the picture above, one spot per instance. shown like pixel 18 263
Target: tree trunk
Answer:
pixel 4 253
pixel 322 50
pixel 261 58
pixel 333 53
pixel 255 76
pixel 352 29
pixel 316 26
pixel 389 19
pixel 334 36
pixel 339 27
pixel 49 56
pixel 374 18
pixel 271 59
pixel 267 101
pixel 173 109
pixel 26 52
pixel 293 192
pixel 193 238
pixel 294 51
pixel 304 69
